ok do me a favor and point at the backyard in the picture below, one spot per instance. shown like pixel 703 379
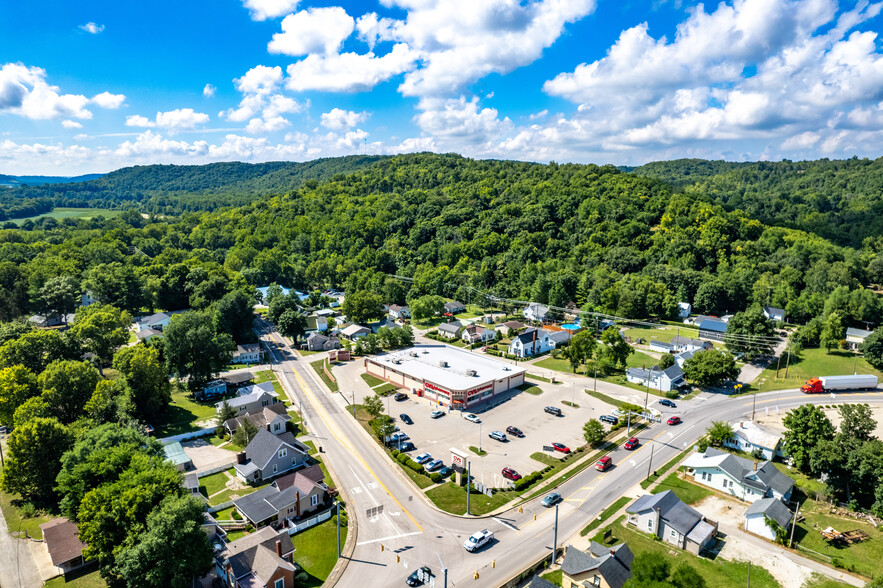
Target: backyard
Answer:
pixel 183 414
pixel 315 550
pixel 811 364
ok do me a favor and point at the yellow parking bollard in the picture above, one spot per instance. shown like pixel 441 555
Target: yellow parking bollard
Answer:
pixel 398 559
pixel 534 517
pixel 493 563
pixel 475 575
pixel 382 547
pixel 520 509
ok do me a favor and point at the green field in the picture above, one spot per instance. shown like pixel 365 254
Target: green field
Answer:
pixel 78 213
pixel 452 498
pixel 315 550
pixel 76 580
pixel 811 364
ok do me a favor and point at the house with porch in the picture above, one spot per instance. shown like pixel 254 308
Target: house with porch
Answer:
pixel 680 343
pixel 262 559
pixel 739 477
pixel 269 455
pixel 674 522
pixel 251 399
pixel 606 567
pixel 510 327
pixel 663 380
pixel 293 496
pixel 248 353
pixel 531 342
pixel 855 337
pixel 317 342
pixel 478 334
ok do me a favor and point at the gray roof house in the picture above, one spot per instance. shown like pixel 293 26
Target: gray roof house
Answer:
pixel 742 478
pixel 681 343
pixel 535 311
pixel 774 314
pixel 399 312
pixel 855 337
pixel 252 399
pixel 664 380
pixel 354 331
pixel 672 521
pixel 248 353
pixel 661 346
pixel 599 566
pixel 510 327
pixel 317 342
pixel 559 337
pixel 711 328
pixel 449 330
pixel 767 508
pixel 258 560
pixel 269 455
pixel 540 582
pixel 273 418
pixel 147 334
pixel 155 321
pixel 454 307
pixel 292 496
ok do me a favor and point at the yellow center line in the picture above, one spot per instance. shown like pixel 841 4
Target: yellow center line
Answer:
pixel 332 428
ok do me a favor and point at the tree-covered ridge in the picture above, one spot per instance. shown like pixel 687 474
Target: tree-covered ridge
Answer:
pixel 840 200
pixel 171 189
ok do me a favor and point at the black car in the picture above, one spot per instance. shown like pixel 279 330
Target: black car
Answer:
pixel 514 431
pixel 667 402
pixel 419 576
pixel 553 410
pixel 400 396
pixel 606 418
pixel 406 419
pixel 445 471
pixel 407 446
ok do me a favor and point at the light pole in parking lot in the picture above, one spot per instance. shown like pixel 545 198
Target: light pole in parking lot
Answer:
pixel 479 437
pixel 555 537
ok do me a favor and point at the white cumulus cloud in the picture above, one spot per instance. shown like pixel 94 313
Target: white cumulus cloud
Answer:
pixel 24 92
pixel 265 9
pixel 108 100
pixel 348 72
pixel 173 120
pixel 262 104
pixel 71 124
pixel 92 28
pixel 338 119
pixel 316 30
pixel 209 90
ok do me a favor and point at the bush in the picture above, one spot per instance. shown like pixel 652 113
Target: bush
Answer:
pixel 235 515
pixel 395 452
pixel 671 394
pixel 702 444
pixel 402 457
pixel 435 477
pixel 28 510
pixel 528 481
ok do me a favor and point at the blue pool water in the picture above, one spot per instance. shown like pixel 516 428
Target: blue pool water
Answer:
pixel 571 326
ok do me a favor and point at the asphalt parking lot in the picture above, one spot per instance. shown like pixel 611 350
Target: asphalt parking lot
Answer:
pixel 515 408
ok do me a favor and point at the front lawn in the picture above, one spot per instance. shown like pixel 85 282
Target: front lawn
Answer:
pixel 811 364
pixel 315 550
pixel 16 521
pixel 77 580
pixel 214 483
pixel 687 491
pixel 270 376
pixel 318 366
pixel 451 497
pixel 530 389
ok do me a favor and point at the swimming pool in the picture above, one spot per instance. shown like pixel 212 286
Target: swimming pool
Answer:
pixel 571 326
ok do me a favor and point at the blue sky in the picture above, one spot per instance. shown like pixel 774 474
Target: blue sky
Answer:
pixel 92 86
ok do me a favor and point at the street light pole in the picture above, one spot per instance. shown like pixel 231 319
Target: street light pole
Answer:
pixel 479 437
pixel 444 568
pixel 468 483
pixel 555 537
pixel 338 529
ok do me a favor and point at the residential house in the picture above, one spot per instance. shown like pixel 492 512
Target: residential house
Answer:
pixel 743 478
pixel 711 328
pixel 774 314
pixel 62 539
pixel 387 321
pixel 238 380
pixel 146 335
pixel 258 560
pixel 449 330
pixel 478 334
pixel 684 309
pixel 681 343
pixel 540 582
pixel 269 455
pixel 317 342
pixel 212 389
pixel 672 521
pixel 398 312
pixel 248 353
pixel 317 323
pixel 531 342
pixel 52 320
pixel 682 357
pixel 761 511
pixel 157 321
pixel 272 418
pixel 663 380
pixel 253 399
pixel 190 483
pixel 535 312
pixel 607 567
pixel 558 338
pixel 87 299
pixel 510 327
pixel 661 346
pixel 176 456
pixel 292 496
pixel 354 331
pixel 855 337
pixel 455 307
pixel 749 437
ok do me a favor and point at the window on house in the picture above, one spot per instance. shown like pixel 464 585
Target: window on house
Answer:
pixel 280 583
pixel 283 452
pixel 596 581
pixel 274 468
pixel 276 427
pixel 673 533
pixel 291 510
pixel 314 500
pixel 650 525
pixel 265 403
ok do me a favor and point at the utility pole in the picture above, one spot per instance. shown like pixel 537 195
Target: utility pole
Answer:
pixel 647 387
pixel 468 483
pixel 338 529
pixel 650 463
pixel 444 568
pixel 749 573
pixel 479 437
pixel 793 525
pixel 628 431
pixel 555 536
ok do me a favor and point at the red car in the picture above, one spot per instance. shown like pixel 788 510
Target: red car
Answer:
pixel 632 443
pixel 511 474
pixel 675 420
pixel 561 447
pixel 603 463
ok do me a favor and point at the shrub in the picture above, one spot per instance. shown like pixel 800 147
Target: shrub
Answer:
pixel 402 457
pixel 395 452
pixel 28 510
pixel 435 477
pixel 414 465
pixel 235 515
pixel 528 480
pixel 671 394
pixel 702 444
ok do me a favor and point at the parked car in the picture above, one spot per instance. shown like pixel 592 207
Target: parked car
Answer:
pixel 514 431
pixel 675 420
pixel 445 471
pixel 511 474
pixel 632 443
pixel 554 410
pixel 406 419
pixel 407 446
pixel 419 576
pixel 606 418
pixel 437 414
pixel 400 396
pixel 498 435
pixel 423 458
pixel 478 540
pixel 551 500
pixel 561 447
pixel 667 402
pixel 604 463
pixel 434 465
pixel 472 418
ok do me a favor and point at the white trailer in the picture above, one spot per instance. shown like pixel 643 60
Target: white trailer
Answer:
pixel 854 382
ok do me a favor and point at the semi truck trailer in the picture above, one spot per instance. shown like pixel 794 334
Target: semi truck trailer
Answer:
pixel 834 383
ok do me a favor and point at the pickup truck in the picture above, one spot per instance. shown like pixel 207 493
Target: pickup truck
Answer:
pixel 478 540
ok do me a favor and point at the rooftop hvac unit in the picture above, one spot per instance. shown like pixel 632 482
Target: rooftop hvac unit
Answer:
pixel 471 373
pixel 443 363
pixel 414 354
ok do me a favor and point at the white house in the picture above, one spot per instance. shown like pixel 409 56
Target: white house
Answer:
pixel 478 333
pixel 354 332
pixel 535 312
pixel 767 508
pixel 684 309
pixel 665 516
pixel 661 346
pixel 742 478
pixel 682 357
pixel 749 437
pixel 663 380
pixel 855 337
pixel 398 312
pixel 681 343
pixel 531 342
pixel 248 353
pixel 156 321
pixel 449 330
pixel 774 314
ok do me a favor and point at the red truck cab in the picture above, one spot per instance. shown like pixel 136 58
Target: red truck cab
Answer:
pixel 813 386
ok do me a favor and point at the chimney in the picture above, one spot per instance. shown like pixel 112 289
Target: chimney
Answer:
pixel 741 425
pixel 755 466
pixel 278 547
pixel 613 553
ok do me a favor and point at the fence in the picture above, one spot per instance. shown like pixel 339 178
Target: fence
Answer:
pixel 222 506
pixel 298 527
pixel 186 436
pixel 214 470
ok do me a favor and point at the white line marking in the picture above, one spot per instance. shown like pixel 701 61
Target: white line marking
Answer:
pixel 508 524
pixel 389 538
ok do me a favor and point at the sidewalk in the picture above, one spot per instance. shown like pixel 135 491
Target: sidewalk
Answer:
pixel 16 561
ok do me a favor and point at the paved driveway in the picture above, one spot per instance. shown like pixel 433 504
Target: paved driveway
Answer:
pixel 17 567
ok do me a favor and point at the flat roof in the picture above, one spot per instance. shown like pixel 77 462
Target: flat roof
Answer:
pixel 424 362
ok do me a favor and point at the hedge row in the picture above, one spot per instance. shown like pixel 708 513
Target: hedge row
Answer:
pixel 405 460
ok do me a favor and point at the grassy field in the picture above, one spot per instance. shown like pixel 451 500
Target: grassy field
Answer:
pixel 717 572
pixel 812 363
pixel 77 213
pixel 558 365
pixel 317 365
pixel 863 558
pixel 16 522
pixel 451 498
pixel 90 580
pixel 685 490
pixel 605 514
pixel 536 377
pixel 819 581
pixel 315 550
pixel 183 414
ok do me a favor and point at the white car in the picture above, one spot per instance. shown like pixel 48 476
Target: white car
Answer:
pixel 478 540
pixel 437 414
pixel 472 418
pixel 423 458
pixel 434 465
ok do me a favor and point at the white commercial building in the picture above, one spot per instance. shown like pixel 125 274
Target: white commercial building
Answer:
pixel 446 375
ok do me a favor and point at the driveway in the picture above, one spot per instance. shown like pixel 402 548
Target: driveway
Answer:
pixel 206 456
pixel 16 561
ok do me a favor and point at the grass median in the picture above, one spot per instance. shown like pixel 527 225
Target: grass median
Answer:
pixel 318 366
pixel 451 497
pixel 661 471
pixel 605 514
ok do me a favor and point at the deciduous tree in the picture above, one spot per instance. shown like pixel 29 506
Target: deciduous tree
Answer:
pixel 59 295
pixel 194 349
pixel 17 384
pixel 101 329
pixel 362 306
pixel 67 387
pixel 750 332
pixel 711 368
pixel 32 459
pixel 805 427
pixel 593 433
pixel 147 378
pixel 719 432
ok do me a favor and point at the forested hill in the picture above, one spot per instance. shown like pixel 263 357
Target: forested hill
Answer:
pixel 840 200
pixel 15 181
pixel 171 189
